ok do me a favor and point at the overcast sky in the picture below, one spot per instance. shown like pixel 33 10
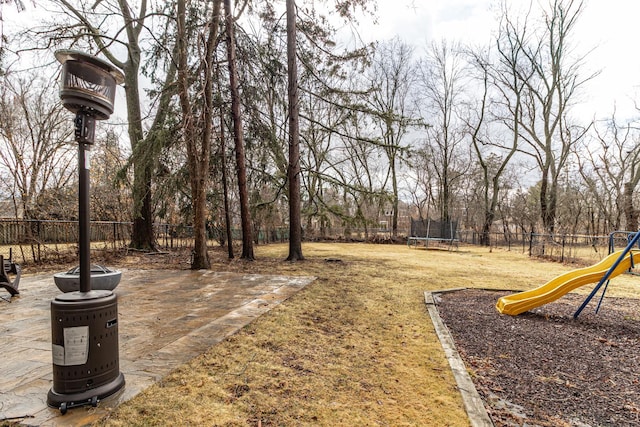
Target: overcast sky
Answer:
pixel 608 26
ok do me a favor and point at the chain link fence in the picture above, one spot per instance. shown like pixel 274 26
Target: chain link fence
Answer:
pixel 565 248
pixel 36 241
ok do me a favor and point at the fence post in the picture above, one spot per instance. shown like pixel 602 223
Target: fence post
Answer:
pixel 530 243
pixel 39 234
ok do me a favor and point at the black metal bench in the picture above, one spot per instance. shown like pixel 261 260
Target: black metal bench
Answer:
pixel 9 267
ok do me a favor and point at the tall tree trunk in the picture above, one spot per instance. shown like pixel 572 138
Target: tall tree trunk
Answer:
pixel 545 211
pixel 187 124
pixel 446 190
pixel 225 189
pixel 485 238
pixel 630 213
pixel 245 213
pixel 198 143
pixel 201 255
pixel 396 200
pixel 142 234
pixel 295 223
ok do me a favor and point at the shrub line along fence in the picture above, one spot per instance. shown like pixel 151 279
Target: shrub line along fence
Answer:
pixel 35 241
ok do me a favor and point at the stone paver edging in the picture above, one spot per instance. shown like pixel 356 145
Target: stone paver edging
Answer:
pixel 472 401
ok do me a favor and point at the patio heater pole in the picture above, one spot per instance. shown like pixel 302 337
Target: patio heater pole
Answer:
pixel 84 133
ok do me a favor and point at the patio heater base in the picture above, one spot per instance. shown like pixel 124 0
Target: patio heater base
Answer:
pixel 84 332
pixel 63 402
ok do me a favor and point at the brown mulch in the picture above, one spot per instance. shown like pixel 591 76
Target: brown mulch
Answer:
pixel 545 368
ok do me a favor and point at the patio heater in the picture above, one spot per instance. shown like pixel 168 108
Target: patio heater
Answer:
pixel 84 324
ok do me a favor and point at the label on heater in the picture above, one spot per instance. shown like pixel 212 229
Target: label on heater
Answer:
pixel 58 354
pixel 76 345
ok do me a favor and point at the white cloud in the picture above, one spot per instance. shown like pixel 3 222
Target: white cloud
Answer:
pixel 421 22
pixel 609 28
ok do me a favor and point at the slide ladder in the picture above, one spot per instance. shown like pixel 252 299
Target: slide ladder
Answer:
pixel 627 250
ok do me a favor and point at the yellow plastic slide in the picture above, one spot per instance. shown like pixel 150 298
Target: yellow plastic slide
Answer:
pixel 563 284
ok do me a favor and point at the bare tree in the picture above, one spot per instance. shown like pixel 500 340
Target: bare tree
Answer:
pixel 34 140
pixel 109 194
pixel 361 174
pixel 611 171
pixel 423 183
pixel 631 159
pixel 349 165
pixel 550 72
pixel 442 87
pixel 392 77
pixel 494 153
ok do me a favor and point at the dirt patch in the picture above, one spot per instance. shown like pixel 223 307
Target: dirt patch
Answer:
pixel 545 368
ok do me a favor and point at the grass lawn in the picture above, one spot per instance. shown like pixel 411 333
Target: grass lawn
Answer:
pixel 354 348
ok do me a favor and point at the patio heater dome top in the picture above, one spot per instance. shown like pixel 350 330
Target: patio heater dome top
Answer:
pixel 88 83
pixel 63 55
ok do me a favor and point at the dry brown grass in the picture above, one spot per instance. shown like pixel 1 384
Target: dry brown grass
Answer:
pixel 356 347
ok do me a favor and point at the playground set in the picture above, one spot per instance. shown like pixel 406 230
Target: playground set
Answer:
pixel 616 263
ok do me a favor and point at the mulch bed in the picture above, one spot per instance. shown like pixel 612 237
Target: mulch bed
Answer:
pixel 543 367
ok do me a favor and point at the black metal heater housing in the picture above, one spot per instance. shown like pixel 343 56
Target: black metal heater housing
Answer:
pixel 84 324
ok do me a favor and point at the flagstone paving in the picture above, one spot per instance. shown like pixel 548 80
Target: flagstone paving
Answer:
pixel 165 318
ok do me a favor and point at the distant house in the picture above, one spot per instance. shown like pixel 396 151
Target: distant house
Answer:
pixel 404 217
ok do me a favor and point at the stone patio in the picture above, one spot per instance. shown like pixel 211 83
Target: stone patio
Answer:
pixel 165 319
